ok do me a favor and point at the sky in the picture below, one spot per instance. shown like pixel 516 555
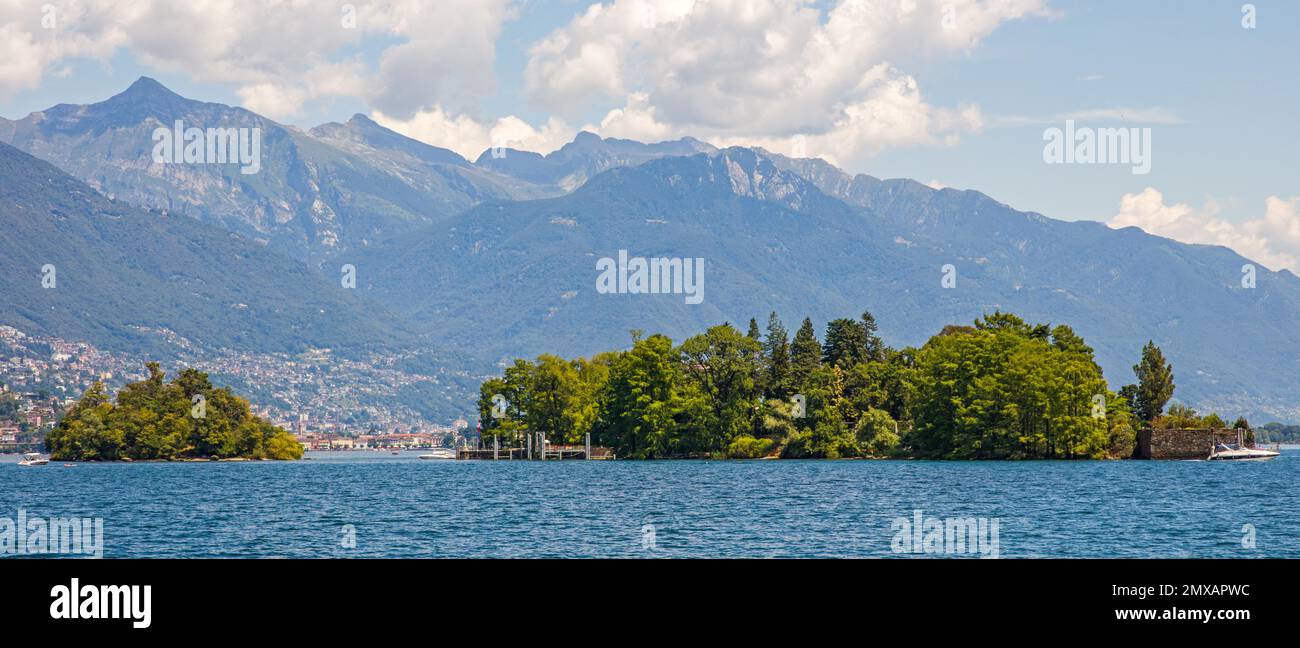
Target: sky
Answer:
pixel 954 93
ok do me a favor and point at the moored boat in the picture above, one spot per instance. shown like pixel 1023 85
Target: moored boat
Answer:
pixel 1239 452
pixel 1223 452
pixel 33 459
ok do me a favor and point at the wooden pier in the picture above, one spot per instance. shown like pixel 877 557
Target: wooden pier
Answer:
pixel 552 453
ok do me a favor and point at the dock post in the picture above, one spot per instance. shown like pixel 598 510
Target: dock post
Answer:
pixel 496 447
pixel 529 454
pixel 586 454
pixel 541 445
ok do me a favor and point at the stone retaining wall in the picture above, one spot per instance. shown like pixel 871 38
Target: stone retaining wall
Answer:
pixel 1183 443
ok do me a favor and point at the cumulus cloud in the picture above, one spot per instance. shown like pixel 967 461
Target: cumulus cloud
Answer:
pixel 470 137
pixel 791 75
pixel 778 73
pixel 36 38
pixel 277 55
pixel 1273 239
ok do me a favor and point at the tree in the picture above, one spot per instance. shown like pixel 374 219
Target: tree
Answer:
pixel 1155 383
pixel 1005 389
pixel 875 347
pixel 776 349
pixel 760 372
pixel 875 432
pixel 642 408
pixel 805 355
pixel 722 364
pixel 153 419
pixel 549 396
pixel 846 343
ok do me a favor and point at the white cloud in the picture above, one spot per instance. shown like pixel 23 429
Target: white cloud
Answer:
pixel 28 50
pixel 765 71
pixel 470 137
pixel 780 73
pixel 276 54
pixel 636 120
pixel 1273 240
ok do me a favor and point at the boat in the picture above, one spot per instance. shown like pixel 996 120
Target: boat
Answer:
pixel 440 453
pixel 33 459
pixel 1239 452
pixel 1234 452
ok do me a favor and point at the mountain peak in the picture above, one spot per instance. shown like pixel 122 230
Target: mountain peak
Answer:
pixel 147 87
pixel 145 97
pixel 362 120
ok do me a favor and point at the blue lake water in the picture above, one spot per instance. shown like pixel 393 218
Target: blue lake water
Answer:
pixel 400 506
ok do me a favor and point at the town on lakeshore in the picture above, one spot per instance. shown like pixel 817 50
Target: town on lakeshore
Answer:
pixel 41 378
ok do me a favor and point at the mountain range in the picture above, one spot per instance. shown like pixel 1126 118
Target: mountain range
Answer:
pixel 497 257
pixel 81 266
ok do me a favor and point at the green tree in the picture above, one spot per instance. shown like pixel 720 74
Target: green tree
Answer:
pixel 805 355
pixel 776 349
pixel 1155 383
pixel 642 407
pixel 723 363
pixel 548 397
pixel 1006 389
pixel 152 419
pixel 875 432
pixel 846 343
pixel 876 350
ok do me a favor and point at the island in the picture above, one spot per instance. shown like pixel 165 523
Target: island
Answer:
pixel 185 419
pixel 1001 388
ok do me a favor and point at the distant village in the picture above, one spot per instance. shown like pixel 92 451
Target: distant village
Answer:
pixel 40 377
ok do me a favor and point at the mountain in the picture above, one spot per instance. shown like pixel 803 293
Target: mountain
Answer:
pixel 498 256
pixel 519 278
pixel 133 280
pixel 512 279
pixel 586 156
pixel 316 195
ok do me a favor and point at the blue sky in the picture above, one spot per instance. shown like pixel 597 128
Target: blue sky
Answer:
pixel 965 105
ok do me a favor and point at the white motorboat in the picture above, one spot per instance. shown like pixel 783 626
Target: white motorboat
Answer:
pixel 440 453
pixel 1234 452
pixel 33 459
pixel 1239 452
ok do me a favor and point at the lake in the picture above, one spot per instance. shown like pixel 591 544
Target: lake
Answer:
pixel 369 504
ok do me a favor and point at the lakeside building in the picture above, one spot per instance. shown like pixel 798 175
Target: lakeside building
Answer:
pixel 9 435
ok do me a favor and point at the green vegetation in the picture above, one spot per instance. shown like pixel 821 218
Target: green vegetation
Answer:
pixel 1000 389
pixel 1155 384
pixel 186 418
pixel 1278 433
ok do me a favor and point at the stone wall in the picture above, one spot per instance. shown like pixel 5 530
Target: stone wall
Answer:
pixel 1182 444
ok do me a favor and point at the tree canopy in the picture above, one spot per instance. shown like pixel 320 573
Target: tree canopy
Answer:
pixel 1155 383
pixel 1000 388
pixel 154 419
